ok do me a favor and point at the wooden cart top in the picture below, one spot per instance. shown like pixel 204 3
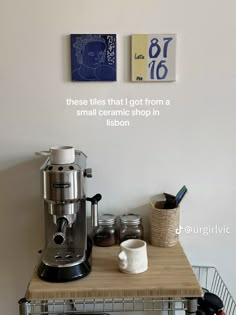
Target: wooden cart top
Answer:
pixel 169 275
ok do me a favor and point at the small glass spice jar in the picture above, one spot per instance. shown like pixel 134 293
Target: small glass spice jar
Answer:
pixel 131 227
pixel 106 233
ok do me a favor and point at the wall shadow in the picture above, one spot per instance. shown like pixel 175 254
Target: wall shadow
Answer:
pixel 21 224
pixel 66 59
pixel 126 59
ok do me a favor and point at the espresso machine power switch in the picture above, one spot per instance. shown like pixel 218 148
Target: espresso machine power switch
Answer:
pixel 88 173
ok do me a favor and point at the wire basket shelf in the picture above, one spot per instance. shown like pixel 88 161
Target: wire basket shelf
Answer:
pixel 210 279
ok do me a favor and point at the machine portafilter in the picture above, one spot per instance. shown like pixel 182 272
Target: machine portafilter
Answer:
pixel 62 223
pixel 67 252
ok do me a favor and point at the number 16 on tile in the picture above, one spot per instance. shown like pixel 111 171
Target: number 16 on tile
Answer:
pixel 153 57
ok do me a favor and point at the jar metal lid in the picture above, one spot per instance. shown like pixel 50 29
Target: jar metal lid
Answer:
pixel 106 219
pixel 130 218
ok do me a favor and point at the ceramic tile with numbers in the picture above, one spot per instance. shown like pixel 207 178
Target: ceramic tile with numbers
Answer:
pixel 93 57
pixel 153 57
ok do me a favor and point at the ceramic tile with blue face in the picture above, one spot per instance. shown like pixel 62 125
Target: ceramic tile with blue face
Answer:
pixel 93 57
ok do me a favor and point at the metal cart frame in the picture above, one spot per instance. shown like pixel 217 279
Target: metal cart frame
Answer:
pixel 208 277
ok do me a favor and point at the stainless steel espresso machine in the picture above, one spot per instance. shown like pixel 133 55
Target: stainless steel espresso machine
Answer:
pixel 67 252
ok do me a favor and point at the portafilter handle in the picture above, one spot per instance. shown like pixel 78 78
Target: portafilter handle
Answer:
pixel 94 209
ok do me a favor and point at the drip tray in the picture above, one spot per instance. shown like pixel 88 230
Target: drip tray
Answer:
pixel 62 258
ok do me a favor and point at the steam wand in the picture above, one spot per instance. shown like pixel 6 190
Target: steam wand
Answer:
pixel 60 235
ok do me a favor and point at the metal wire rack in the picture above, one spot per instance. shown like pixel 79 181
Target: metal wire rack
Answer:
pixel 208 277
pixel 211 280
pixel 102 306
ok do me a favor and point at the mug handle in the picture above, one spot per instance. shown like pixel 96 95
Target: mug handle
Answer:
pixel 43 153
pixel 123 262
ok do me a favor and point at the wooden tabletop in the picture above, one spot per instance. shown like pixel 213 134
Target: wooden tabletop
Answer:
pixel 169 274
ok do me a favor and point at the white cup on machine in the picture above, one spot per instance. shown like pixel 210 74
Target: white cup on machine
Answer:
pixel 133 256
pixel 60 155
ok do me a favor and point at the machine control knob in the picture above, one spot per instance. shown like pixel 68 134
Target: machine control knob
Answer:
pixel 88 172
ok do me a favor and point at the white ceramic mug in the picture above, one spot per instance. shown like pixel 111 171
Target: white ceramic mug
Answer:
pixel 133 256
pixel 60 155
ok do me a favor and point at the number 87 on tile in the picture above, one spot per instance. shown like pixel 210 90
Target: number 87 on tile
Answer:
pixel 153 57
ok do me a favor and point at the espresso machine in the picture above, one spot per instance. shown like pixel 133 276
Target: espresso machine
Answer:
pixel 67 252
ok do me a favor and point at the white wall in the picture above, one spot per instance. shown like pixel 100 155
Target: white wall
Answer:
pixel 192 142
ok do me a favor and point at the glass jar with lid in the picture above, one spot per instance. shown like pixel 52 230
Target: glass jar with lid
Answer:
pixel 131 227
pixel 106 233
